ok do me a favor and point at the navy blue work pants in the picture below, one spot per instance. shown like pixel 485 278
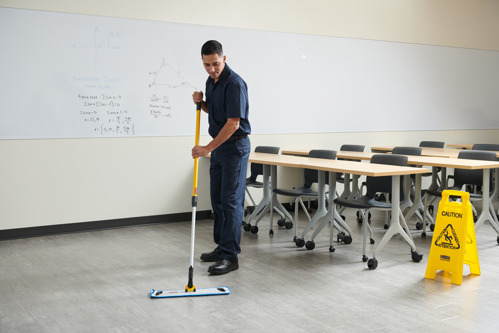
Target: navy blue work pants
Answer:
pixel 228 165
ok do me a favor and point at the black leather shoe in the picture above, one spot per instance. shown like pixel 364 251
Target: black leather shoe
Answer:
pixel 223 266
pixel 211 256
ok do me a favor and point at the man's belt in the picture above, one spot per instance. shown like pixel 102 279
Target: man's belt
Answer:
pixel 236 137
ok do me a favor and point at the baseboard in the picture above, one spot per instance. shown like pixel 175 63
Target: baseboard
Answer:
pixel 98 225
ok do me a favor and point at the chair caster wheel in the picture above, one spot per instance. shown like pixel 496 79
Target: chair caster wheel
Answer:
pixel 364 258
pixel 432 227
pixel 372 263
pixel 497 239
pixel 310 245
pixel 300 242
pixel 331 249
pixel 254 229
pixel 416 256
pixel 419 226
pixel 243 223
pixel 295 238
pixel 347 239
pixel 386 226
pixel 343 217
pixel 430 209
pixel 372 241
pixel 340 236
pixel 271 233
pixel 247 227
pixel 288 225
pixel 423 234
pixel 281 222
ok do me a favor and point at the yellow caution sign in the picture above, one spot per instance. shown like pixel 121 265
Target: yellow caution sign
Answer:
pixel 454 241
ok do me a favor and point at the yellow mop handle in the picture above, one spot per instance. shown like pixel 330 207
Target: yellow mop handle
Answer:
pixel 198 121
pixel 190 285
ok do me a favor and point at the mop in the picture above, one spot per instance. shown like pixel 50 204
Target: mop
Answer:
pixel 190 289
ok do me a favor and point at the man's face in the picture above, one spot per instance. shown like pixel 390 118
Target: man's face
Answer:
pixel 214 65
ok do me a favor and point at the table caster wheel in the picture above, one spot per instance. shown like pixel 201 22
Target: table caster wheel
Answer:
pixel 372 263
pixel 310 245
pixel 416 256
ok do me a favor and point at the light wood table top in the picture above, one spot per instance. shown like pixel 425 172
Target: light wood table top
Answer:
pixel 430 160
pixel 427 151
pixel 354 155
pixel 351 167
pixel 461 146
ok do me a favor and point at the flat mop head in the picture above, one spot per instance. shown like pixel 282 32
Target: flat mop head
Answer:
pixel 183 293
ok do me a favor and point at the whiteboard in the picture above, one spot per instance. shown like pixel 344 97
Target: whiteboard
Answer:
pixel 79 76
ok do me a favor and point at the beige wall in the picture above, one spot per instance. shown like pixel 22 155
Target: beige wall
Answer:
pixel 46 182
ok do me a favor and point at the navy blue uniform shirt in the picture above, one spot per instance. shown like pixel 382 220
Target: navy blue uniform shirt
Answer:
pixel 228 98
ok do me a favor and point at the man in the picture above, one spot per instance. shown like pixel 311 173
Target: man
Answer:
pixel 227 107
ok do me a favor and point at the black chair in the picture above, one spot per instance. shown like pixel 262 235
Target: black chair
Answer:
pixel 465 179
pixel 432 144
pixel 486 146
pixel 490 147
pixel 311 177
pixel 409 184
pixel 256 170
pixel 370 201
pixel 340 178
pixel 351 186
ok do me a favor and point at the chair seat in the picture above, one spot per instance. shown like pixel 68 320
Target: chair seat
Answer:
pixel 363 203
pixel 296 192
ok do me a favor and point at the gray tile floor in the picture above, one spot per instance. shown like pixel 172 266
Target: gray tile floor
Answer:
pixel 100 281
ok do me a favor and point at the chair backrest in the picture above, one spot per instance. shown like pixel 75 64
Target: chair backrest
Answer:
pixel 432 144
pixel 384 184
pixel 352 147
pixel 473 177
pixel 415 151
pixel 486 146
pixel 311 176
pixel 257 168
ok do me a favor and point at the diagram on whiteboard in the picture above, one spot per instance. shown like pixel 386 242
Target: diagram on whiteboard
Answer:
pixel 166 75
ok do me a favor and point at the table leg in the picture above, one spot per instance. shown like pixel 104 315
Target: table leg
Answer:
pixel 485 215
pixel 321 204
pixel 332 214
pixel 262 208
pixel 395 225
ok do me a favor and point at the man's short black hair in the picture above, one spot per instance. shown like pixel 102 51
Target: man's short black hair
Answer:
pixel 212 47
